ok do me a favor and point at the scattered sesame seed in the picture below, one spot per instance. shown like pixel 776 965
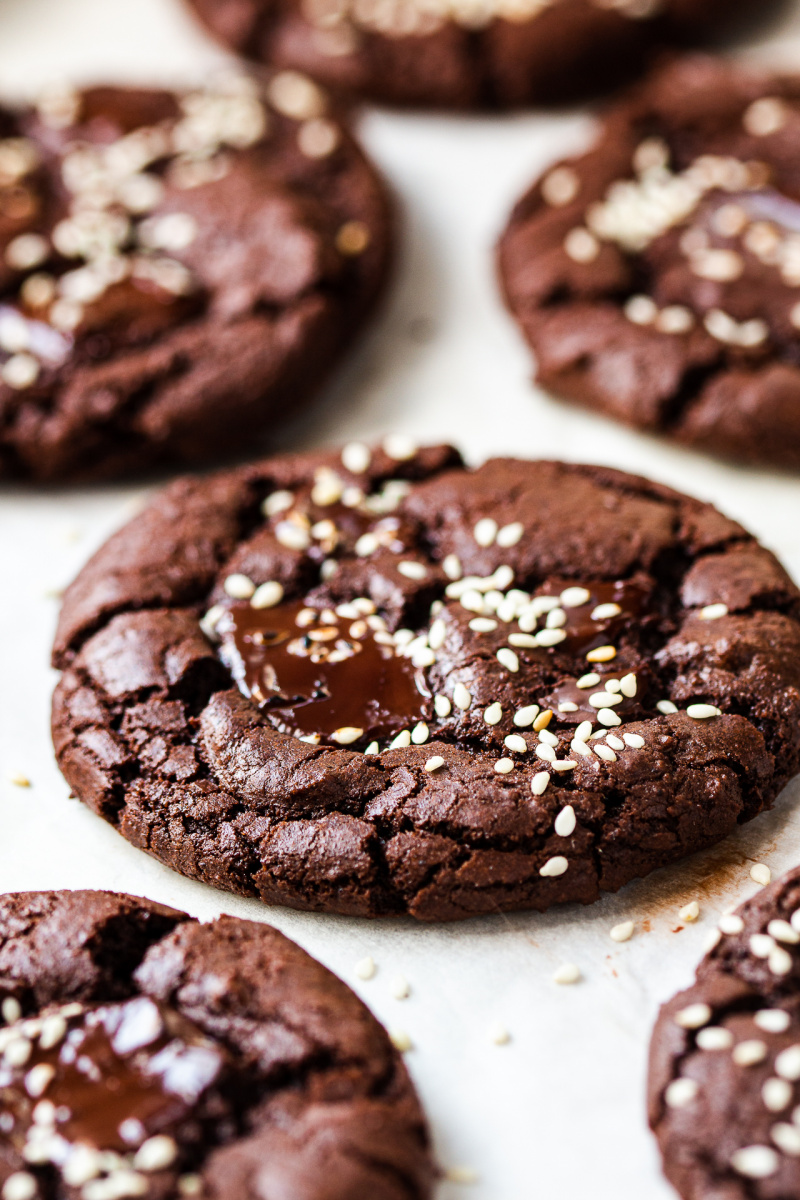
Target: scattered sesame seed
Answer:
pixel 402 740
pixel 318 138
pixel 400 1040
pixel 634 740
pixel 372 748
pixel 156 1154
pixel 587 681
pixel 294 95
pixel 508 659
pixel 694 1016
pixel 711 940
pixel 713 612
pixel 516 743
pixel 605 699
pixel 787 1064
pixel 239 587
pixel 461 697
pixel 399 447
pixel 675 318
pixel 680 1092
pixel 578 746
pixel 461 1175
pixel 11 1010
pixel 524 717
pixel 19 780
pixel 601 654
pixel 614 742
pixel 703 712
pixel 485 531
pixel 190 1185
pixel 787 1138
pixel 451 565
pixel 420 734
pixel 749 1053
pixel 548 738
pixel 760 873
pixel 550 637
pixel 483 624
pixel 442 706
pixel 755 1162
pixel 399 987
pixel 267 595
pixel 605 752
pixel 714 1037
pixel 433 764
pixel 641 310
pixel 779 961
pixel 560 187
pixel 666 707
pixel 607 717
pixel 20 1186
pixel 347 734
pixel 690 912
pixel 564 764
pixel 543 720
pixel 504 766
pixel 510 535
pixel 782 931
pixel 761 945
pixel 772 1020
pixel 365 968
pixel 765 116
pixel 499 1034
pixel 567 706
pixel 493 714
pixel 539 783
pixel 567 973
pixel 581 246
pixel 556 619
pixel 777 1094
pixel 525 641
pixel 628 685
pixel 554 866
pixel 622 932
pixel 565 822
pixel 20 371
pixel 546 753
pixel 412 570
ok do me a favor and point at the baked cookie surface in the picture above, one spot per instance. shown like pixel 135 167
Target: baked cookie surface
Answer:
pixel 725 1059
pixel 657 277
pixel 376 682
pixel 466 54
pixel 145 1054
pixel 177 272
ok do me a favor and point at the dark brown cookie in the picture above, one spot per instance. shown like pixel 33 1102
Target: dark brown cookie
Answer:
pixel 724 1089
pixel 471 53
pixel 657 277
pixel 177 272
pixel 144 1054
pixel 379 682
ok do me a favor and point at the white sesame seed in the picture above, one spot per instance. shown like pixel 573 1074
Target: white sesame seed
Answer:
pixel 420 734
pixel 666 707
pixel 190 1185
pixel 614 742
pixel 399 447
pixel 504 766
pixel 787 1138
pixel 356 458
pixel 156 1154
pixel 711 940
pixel 267 595
pixel 703 712
pixel 782 931
pixel 550 637
pixel 554 866
pixel 777 1094
pixel 761 945
pixel 493 714
pixel 539 783
pixel 690 912
pixel 451 565
pixel 565 822
pixel 575 597
pixel 713 612
pixel 760 873
pixel 54 1030
pixel 634 740
pixel 20 1186
pixel 765 116
pixel 347 734
pixel 680 1092
pixel 587 681
pixel 613 685
pixel 601 654
pixel 400 1040
pixel 787 1064
pixel 556 619
pixel 578 746
pixel 675 318
pixel 365 968
pixel 794 920
pixel 564 764
pixel 19 779
pixel 412 570
pixel 461 697
pixel 423 657
pixel 605 752
pixel 749 1053
pixel 508 659
pixel 628 685
pixel 436 637
pixel 433 764
pixel 622 932
pixel 399 987
pixel 461 1175
pixel 694 1016
pixel 20 371
pixel 583 731
pixel 472 600
pixel 442 706
pixel 524 641
pixel 567 706
pixel 485 531
pixel 498 1034
pixel 17 1052
pixel 581 246
pixel 641 310
pixel 402 740
pixel 779 961
pixel 567 973
pixel 605 699
pixel 772 1020
pixel 366 545
pixel 714 1037
pixel 722 266
pixel 510 535
pixel 604 612
pixel 607 717
pixel 39 1078
pixel 11 1010
pixel 292 536
pixel 524 717
pixel 560 186
pixel 483 624
pixel 294 95
pixel 372 748
pixel 239 587
pixel 547 737
pixel 755 1162
pixel 516 743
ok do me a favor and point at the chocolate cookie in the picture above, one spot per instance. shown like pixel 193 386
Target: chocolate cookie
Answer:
pixel 657 277
pixel 176 271
pixel 467 54
pixel 378 682
pixel 144 1054
pixel 725 1059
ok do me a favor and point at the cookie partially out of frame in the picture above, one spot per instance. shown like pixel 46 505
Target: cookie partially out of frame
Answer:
pixel 468 53
pixel 657 277
pixel 144 1054
pixel 724 1091
pixel 178 273
pixel 378 682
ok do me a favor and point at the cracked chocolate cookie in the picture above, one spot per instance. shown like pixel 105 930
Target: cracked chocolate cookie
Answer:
pixel 177 272
pixel 465 54
pixel 145 1054
pixel 724 1091
pixel 378 682
pixel 657 277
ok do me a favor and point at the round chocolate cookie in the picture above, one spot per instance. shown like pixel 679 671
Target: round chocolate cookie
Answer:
pixel 177 272
pixel 144 1054
pixel 378 682
pixel 724 1089
pixel 657 277
pixel 465 54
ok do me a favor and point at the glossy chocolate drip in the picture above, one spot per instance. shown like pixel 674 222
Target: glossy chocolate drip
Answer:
pixel 584 633
pixel 117 1075
pixel 319 677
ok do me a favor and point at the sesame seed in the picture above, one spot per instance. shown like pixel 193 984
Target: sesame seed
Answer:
pixel 156 1154
pixel 356 458
pixel 190 1185
pixel 508 659
pixel 601 654
pixel 556 619
pixel 20 371
pixel 499 1034
pixel 546 753
pixel 666 707
pixel 485 531
pixel 524 717
pixel 277 502
pixel 587 681
pixel 628 685
pixel 641 310
pixel 548 738
pixel 550 637
pixel 779 961
pixel 782 931
pixel 317 138
pixel 442 706
pixel 755 1162
pixel 327 489
pixel 622 932
pixel 472 600
pixel 54 1030
pixel 493 714
pixel 680 1092
pixel 504 766
pixel 365 968
pixel 777 1094
pixel 372 748
pixel 461 1175
pixel 267 595
pixel 294 95
pixel 433 764
pixel 565 822
pixel 11 1010
pixel 19 780
pixel 564 764
pixel 567 973
pixel 39 1078
pixel 634 740
pixel 525 641
pixel 703 712
pixel 605 752
pixel 765 116
pixel 347 735
pixel 614 742
pixel 760 873
pixel 239 587
pixel 675 318
pixel 560 186
pixel 400 1040
pixel 787 1138
pixel 539 783
pixel 714 1037
pixel 749 1053
pixel 711 940
pixel 690 912
pixel 399 447
pixel 402 740
pixel 483 624
pixel 713 612
pixel 516 743
pixel 461 697
pixel 20 1186
pixel 412 570
pixel 722 266
pixel 787 1064
pixel 772 1020
pixel 420 734
pixel 567 706
pixel 554 867
pixel 604 612
pixel 604 699
pixel 510 535
pixel 574 597
pixel 694 1016
pixel 578 746
pixel 607 717
pixel 399 987
pixel 761 945
pixel 581 246
pixel 451 565
pixel 366 545
pixel 17 1052
pixel 423 657
pixel 543 720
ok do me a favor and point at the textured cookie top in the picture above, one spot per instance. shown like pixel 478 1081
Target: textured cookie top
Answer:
pixel 377 681
pixel 725 1059
pixel 658 276
pixel 143 1054
pixel 142 231
pixel 462 53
